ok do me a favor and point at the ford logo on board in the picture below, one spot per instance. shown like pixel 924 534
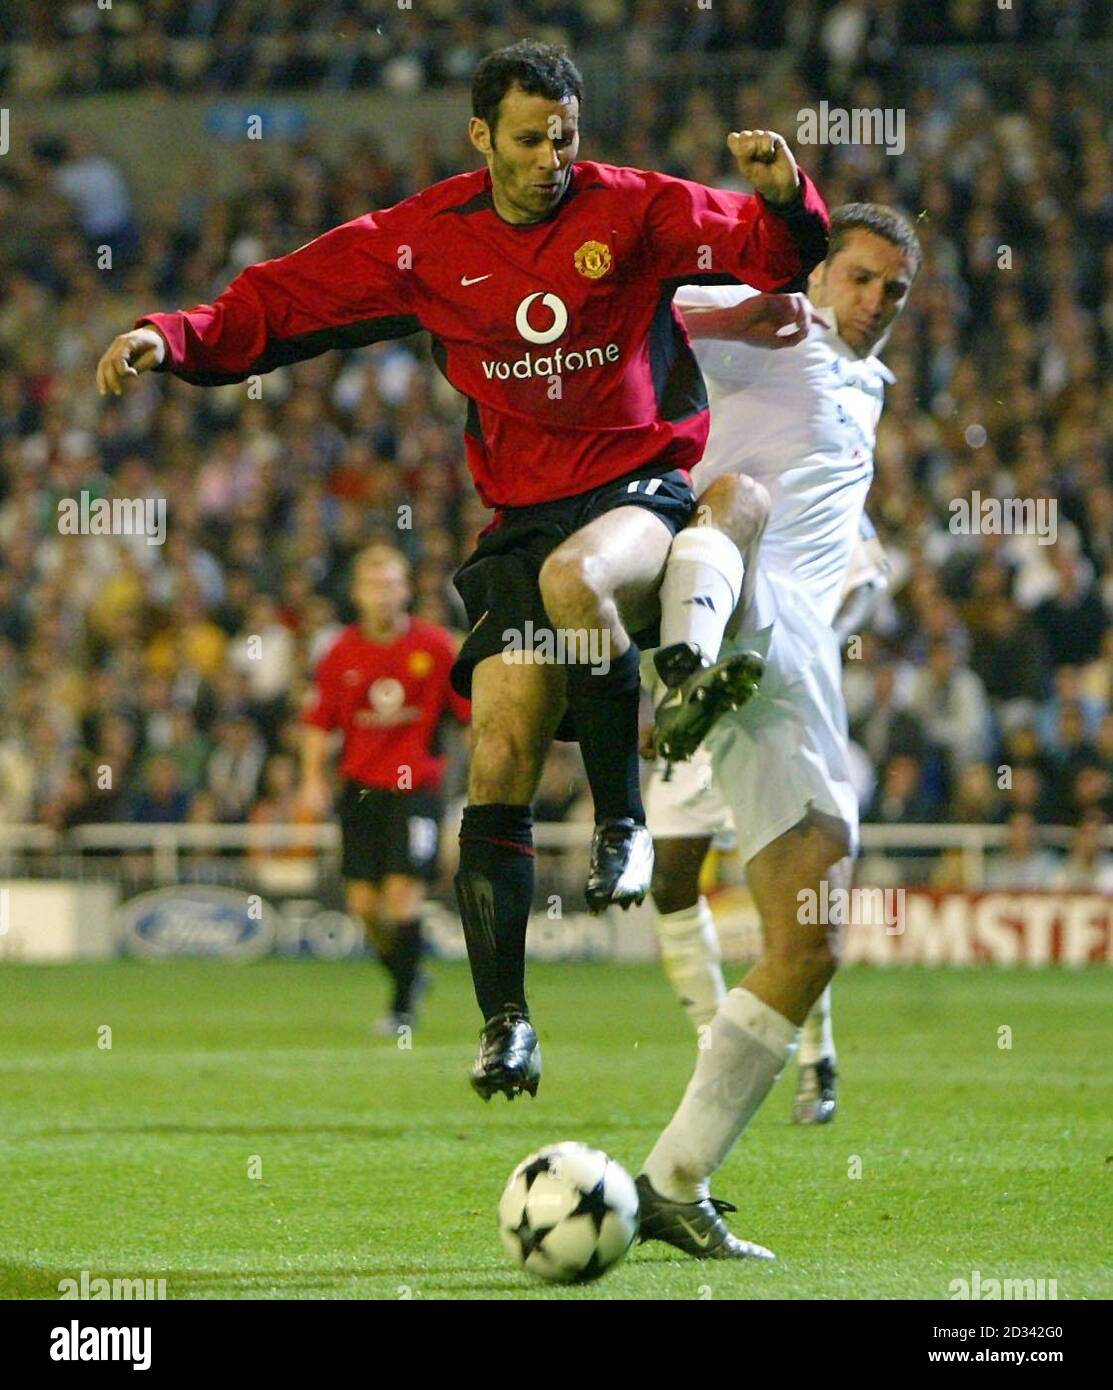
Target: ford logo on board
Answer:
pixel 198 921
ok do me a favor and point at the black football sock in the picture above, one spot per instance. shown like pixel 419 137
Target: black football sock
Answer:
pixel 605 709
pixel 405 957
pixel 384 955
pixel 494 888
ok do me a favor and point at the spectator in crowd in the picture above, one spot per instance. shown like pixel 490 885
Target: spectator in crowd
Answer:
pixel 1073 754
pixel 162 799
pixel 1075 619
pixel 278 805
pixel 950 703
pixel 17 775
pixel 976 799
pixel 95 186
pixel 1088 868
pixel 901 799
pixel 236 765
pixel 1022 863
pixel 1010 659
pixel 263 652
pixel 883 726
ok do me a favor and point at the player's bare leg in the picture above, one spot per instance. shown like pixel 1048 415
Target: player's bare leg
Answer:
pixel 516 707
pixel 685 927
pixel 751 1037
pixel 692 962
pixel 603 582
pixel 704 595
pixel 363 904
pixel 391 918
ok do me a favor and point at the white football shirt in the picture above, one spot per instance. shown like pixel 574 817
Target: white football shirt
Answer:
pixel 803 422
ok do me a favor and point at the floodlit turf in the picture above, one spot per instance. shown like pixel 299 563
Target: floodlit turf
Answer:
pixel 380 1171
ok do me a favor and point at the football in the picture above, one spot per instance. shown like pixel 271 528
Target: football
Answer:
pixel 568 1214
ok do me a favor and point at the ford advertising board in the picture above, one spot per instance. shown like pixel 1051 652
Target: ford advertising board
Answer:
pixel 197 920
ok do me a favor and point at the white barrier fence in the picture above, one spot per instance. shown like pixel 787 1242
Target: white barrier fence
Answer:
pixel 166 844
pixel 239 891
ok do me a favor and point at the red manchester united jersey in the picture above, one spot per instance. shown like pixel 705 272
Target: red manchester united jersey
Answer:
pixel 560 333
pixel 388 698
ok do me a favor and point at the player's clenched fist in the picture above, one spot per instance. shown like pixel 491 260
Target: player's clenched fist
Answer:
pixel 131 353
pixel 766 161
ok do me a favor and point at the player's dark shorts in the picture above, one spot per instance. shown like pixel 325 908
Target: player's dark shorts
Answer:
pixel 499 581
pixel 388 832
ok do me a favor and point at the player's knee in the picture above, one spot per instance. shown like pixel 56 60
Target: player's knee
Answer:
pixel 738 505
pixel 752 501
pixel 571 586
pixel 673 892
pixel 818 963
pixel 677 861
pixel 402 898
pixel 826 960
pixel 810 962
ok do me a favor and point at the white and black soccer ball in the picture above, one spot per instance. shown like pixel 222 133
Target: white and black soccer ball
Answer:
pixel 568 1213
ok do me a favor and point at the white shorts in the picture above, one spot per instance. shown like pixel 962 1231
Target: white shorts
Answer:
pixel 786 751
pixel 689 804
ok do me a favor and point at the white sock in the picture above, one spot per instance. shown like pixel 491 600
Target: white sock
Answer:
pixel 700 589
pixel 749 1045
pixel 690 955
pixel 817 1037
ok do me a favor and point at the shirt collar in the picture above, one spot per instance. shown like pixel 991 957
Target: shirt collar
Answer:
pixel 875 364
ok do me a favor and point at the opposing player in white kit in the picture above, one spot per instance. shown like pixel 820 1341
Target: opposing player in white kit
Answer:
pixel 785 477
pixel 689 815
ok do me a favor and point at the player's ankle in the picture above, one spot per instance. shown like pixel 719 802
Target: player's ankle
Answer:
pixel 669 1181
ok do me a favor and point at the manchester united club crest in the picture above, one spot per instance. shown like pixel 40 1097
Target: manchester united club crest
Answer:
pixel 594 259
pixel 419 665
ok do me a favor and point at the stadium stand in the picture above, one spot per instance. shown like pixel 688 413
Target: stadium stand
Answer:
pixel 991 653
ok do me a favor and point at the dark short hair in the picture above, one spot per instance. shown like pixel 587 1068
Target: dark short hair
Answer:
pixel 882 221
pixel 380 552
pixel 541 69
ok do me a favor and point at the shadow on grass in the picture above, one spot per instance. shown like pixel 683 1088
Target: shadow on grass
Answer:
pixel 354 1129
pixel 350 1130
pixel 26 1281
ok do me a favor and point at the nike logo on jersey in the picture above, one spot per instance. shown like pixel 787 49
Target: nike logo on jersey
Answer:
pixel 475 279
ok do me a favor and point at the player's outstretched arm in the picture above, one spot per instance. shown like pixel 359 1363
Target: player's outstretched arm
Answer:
pixel 762 321
pixel 347 288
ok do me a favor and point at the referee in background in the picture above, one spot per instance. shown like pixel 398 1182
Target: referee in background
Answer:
pixel 384 684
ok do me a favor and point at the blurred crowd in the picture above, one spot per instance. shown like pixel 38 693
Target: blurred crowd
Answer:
pixel 162 682
pixel 71 48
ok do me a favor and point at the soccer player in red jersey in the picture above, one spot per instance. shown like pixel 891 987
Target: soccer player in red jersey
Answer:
pixel 546 284
pixel 385 684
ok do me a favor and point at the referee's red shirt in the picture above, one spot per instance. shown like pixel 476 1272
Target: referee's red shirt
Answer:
pixel 388 698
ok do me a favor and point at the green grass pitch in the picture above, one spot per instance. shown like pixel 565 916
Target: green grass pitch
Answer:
pixel 380 1171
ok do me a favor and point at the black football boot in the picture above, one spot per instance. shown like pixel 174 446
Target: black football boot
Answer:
pixel 621 864
pixel 698 694
pixel 509 1057
pixel 696 1228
